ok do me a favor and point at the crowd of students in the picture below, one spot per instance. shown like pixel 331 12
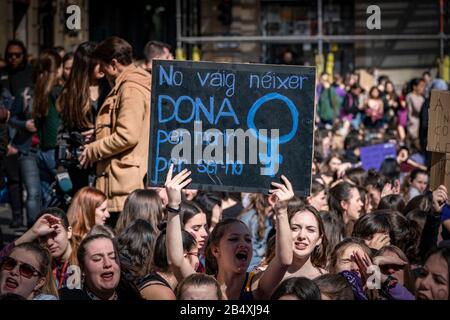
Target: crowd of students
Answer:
pixel 376 235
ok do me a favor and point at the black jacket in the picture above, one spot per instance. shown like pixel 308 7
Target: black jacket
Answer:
pixel 16 80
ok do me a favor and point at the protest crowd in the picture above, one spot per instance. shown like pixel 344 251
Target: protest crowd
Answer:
pixel 74 155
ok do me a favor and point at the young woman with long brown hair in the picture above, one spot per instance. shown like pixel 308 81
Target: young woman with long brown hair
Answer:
pixel 26 271
pixel 309 242
pixel 48 71
pixel 83 94
pixel 87 209
pixel 142 204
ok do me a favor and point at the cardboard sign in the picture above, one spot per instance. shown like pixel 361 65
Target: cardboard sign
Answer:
pixel 372 157
pixel 440 170
pixel 439 122
pixel 237 127
pixel 366 80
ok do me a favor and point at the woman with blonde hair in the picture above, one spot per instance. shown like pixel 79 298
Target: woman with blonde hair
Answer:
pixel 26 271
pixel 88 208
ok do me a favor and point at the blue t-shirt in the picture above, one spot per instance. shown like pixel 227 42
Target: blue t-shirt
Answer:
pixel 445 213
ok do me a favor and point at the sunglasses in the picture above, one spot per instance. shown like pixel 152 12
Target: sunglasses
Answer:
pixel 14 54
pixel 26 270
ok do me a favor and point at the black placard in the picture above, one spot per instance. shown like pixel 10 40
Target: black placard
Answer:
pixel 207 104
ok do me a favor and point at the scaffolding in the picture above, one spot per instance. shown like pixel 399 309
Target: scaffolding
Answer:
pixel 318 39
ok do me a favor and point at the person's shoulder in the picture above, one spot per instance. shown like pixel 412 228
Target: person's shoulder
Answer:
pixel 56 91
pixel 247 215
pixel 137 78
pixel 157 291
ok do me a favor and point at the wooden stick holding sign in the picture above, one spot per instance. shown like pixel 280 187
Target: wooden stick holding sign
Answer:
pixel 439 138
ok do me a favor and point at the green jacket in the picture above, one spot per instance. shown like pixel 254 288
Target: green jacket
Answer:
pixel 329 105
pixel 48 126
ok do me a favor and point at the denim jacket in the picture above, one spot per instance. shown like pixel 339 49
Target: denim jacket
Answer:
pixel 21 112
pixel 250 218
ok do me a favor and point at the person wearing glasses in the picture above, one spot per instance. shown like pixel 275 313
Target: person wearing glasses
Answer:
pixel 26 272
pixel 20 166
pixel 53 232
pixel 17 74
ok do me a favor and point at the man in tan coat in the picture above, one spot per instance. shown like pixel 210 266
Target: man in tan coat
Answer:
pixel 120 149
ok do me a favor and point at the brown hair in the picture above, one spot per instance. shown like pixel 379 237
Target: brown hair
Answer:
pixel 216 235
pixel 332 231
pixel 325 169
pixel 45 78
pixel 81 254
pixel 317 187
pixel 44 258
pixel 341 191
pixel 73 103
pixel 136 244
pixel 74 242
pixel 102 229
pixel 340 248
pixel 198 280
pixel 270 251
pixel 335 287
pixel 259 203
pixel 114 48
pixel 142 204
pixel 420 217
pixel 81 213
pixel 319 254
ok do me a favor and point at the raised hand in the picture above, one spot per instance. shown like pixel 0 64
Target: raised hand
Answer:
pixel 385 260
pixel 388 189
pixel 175 185
pixel 378 241
pixel 88 136
pixel 363 263
pixel 29 125
pixel 342 169
pixel 440 198
pixel 45 224
pixel 283 192
pixel 84 162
